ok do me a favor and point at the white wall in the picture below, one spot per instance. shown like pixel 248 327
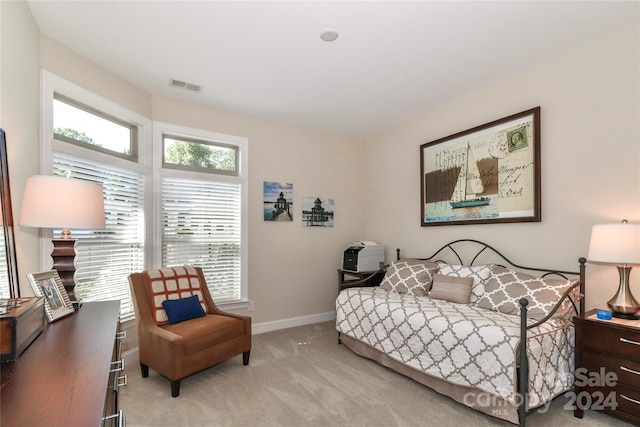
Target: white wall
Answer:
pixel 590 165
pixel 590 146
pixel 20 118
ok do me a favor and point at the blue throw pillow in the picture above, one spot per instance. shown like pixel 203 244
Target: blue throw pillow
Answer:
pixel 179 310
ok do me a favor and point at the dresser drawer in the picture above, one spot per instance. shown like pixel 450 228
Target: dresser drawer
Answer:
pixel 627 371
pixel 628 402
pixel 622 343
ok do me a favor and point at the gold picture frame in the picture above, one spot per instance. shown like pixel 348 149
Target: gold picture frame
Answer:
pixel 56 300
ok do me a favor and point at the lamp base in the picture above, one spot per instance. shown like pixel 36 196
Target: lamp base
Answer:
pixel 63 256
pixel 623 305
pixel 625 316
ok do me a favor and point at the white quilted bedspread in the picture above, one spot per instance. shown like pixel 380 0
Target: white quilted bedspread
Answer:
pixel 460 343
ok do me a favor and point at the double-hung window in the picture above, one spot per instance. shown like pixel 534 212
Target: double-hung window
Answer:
pixel 201 202
pixel 89 138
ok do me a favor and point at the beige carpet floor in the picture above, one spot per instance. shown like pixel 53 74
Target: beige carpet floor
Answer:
pixel 303 377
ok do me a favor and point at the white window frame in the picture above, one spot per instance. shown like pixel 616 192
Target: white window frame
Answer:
pixel 160 128
pixel 48 144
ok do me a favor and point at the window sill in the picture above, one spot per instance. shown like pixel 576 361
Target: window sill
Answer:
pixel 238 305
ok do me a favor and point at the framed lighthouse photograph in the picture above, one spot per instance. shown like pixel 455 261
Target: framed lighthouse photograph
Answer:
pixel 487 174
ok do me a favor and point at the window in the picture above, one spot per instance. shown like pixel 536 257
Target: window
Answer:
pixel 4 277
pixel 201 226
pixel 105 258
pixel 176 198
pixel 96 140
pixel 76 123
pixel 197 155
pixel 202 196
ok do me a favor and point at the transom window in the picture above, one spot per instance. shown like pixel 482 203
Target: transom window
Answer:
pixel 82 125
pixel 198 155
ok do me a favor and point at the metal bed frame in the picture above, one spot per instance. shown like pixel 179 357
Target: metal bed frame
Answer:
pixel 454 248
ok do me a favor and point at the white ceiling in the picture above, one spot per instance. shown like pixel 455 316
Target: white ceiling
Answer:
pixel 391 60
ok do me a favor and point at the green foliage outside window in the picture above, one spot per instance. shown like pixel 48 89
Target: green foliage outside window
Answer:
pixel 77 135
pixel 199 155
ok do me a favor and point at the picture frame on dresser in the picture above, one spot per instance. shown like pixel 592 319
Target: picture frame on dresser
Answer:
pixel 56 300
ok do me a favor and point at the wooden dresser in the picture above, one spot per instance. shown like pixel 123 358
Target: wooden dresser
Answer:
pixel 608 355
pixel 67 376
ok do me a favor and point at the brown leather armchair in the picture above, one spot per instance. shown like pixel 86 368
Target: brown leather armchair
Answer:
pixel 181 349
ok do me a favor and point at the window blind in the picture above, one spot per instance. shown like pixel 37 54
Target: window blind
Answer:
pixel 4 276
pixel 201 222
pixel 105 258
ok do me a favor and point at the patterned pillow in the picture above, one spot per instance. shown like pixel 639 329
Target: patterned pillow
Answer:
pixel 480 275
pixel 506 287
pixel 172 283
pixel 453 289
pixel 409 276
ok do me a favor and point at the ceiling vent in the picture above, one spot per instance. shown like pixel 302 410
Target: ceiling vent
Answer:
pixel 184 85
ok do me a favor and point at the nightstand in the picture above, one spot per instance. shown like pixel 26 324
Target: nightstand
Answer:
pixel 351 279
pixel 607 360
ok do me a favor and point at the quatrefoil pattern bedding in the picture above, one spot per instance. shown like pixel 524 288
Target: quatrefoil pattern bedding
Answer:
pixel 409 276
pixel 506 287
pixel 460 343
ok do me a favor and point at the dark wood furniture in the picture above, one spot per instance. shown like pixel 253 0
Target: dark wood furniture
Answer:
pixel 66 376
pixel 604 348
pixel 350 279
pixel 21 321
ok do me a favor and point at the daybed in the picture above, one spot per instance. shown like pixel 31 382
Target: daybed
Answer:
pixel 456 327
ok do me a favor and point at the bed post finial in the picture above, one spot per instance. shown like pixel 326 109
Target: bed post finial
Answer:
pixel 397 254
pixel 583 262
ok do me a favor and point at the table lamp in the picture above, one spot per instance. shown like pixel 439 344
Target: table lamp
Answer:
pixel 619 245
pixel 59 202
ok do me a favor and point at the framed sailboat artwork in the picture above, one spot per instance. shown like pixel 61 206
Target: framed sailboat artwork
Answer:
pixel 487 174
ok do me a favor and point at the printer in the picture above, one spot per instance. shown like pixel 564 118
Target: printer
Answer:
pixel 363 257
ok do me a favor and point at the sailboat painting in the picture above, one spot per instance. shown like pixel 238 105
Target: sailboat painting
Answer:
pixel 490 173
pixel 469 184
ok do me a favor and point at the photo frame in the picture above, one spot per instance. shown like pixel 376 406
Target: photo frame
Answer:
pixel 317 212
pixel 277 201
pixel 486 174
pixel 56 300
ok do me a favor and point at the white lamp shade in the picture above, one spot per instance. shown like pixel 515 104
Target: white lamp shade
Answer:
pixel 58 202
pixel 615 244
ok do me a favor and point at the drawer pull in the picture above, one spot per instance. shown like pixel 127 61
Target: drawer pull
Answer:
pixel 629 341
pixel 118 366
pixel 637 402
pixel 119 417
pixel 624 368
pixel 122 381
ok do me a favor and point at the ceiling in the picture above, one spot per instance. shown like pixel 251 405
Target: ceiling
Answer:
pixel 391 61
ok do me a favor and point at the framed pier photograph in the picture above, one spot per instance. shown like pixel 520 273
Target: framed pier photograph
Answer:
pixel 277 201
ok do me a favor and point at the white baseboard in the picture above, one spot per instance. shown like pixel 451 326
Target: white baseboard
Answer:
pixel 262 327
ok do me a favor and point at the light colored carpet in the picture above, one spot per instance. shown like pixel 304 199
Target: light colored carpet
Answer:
pixel 303 377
